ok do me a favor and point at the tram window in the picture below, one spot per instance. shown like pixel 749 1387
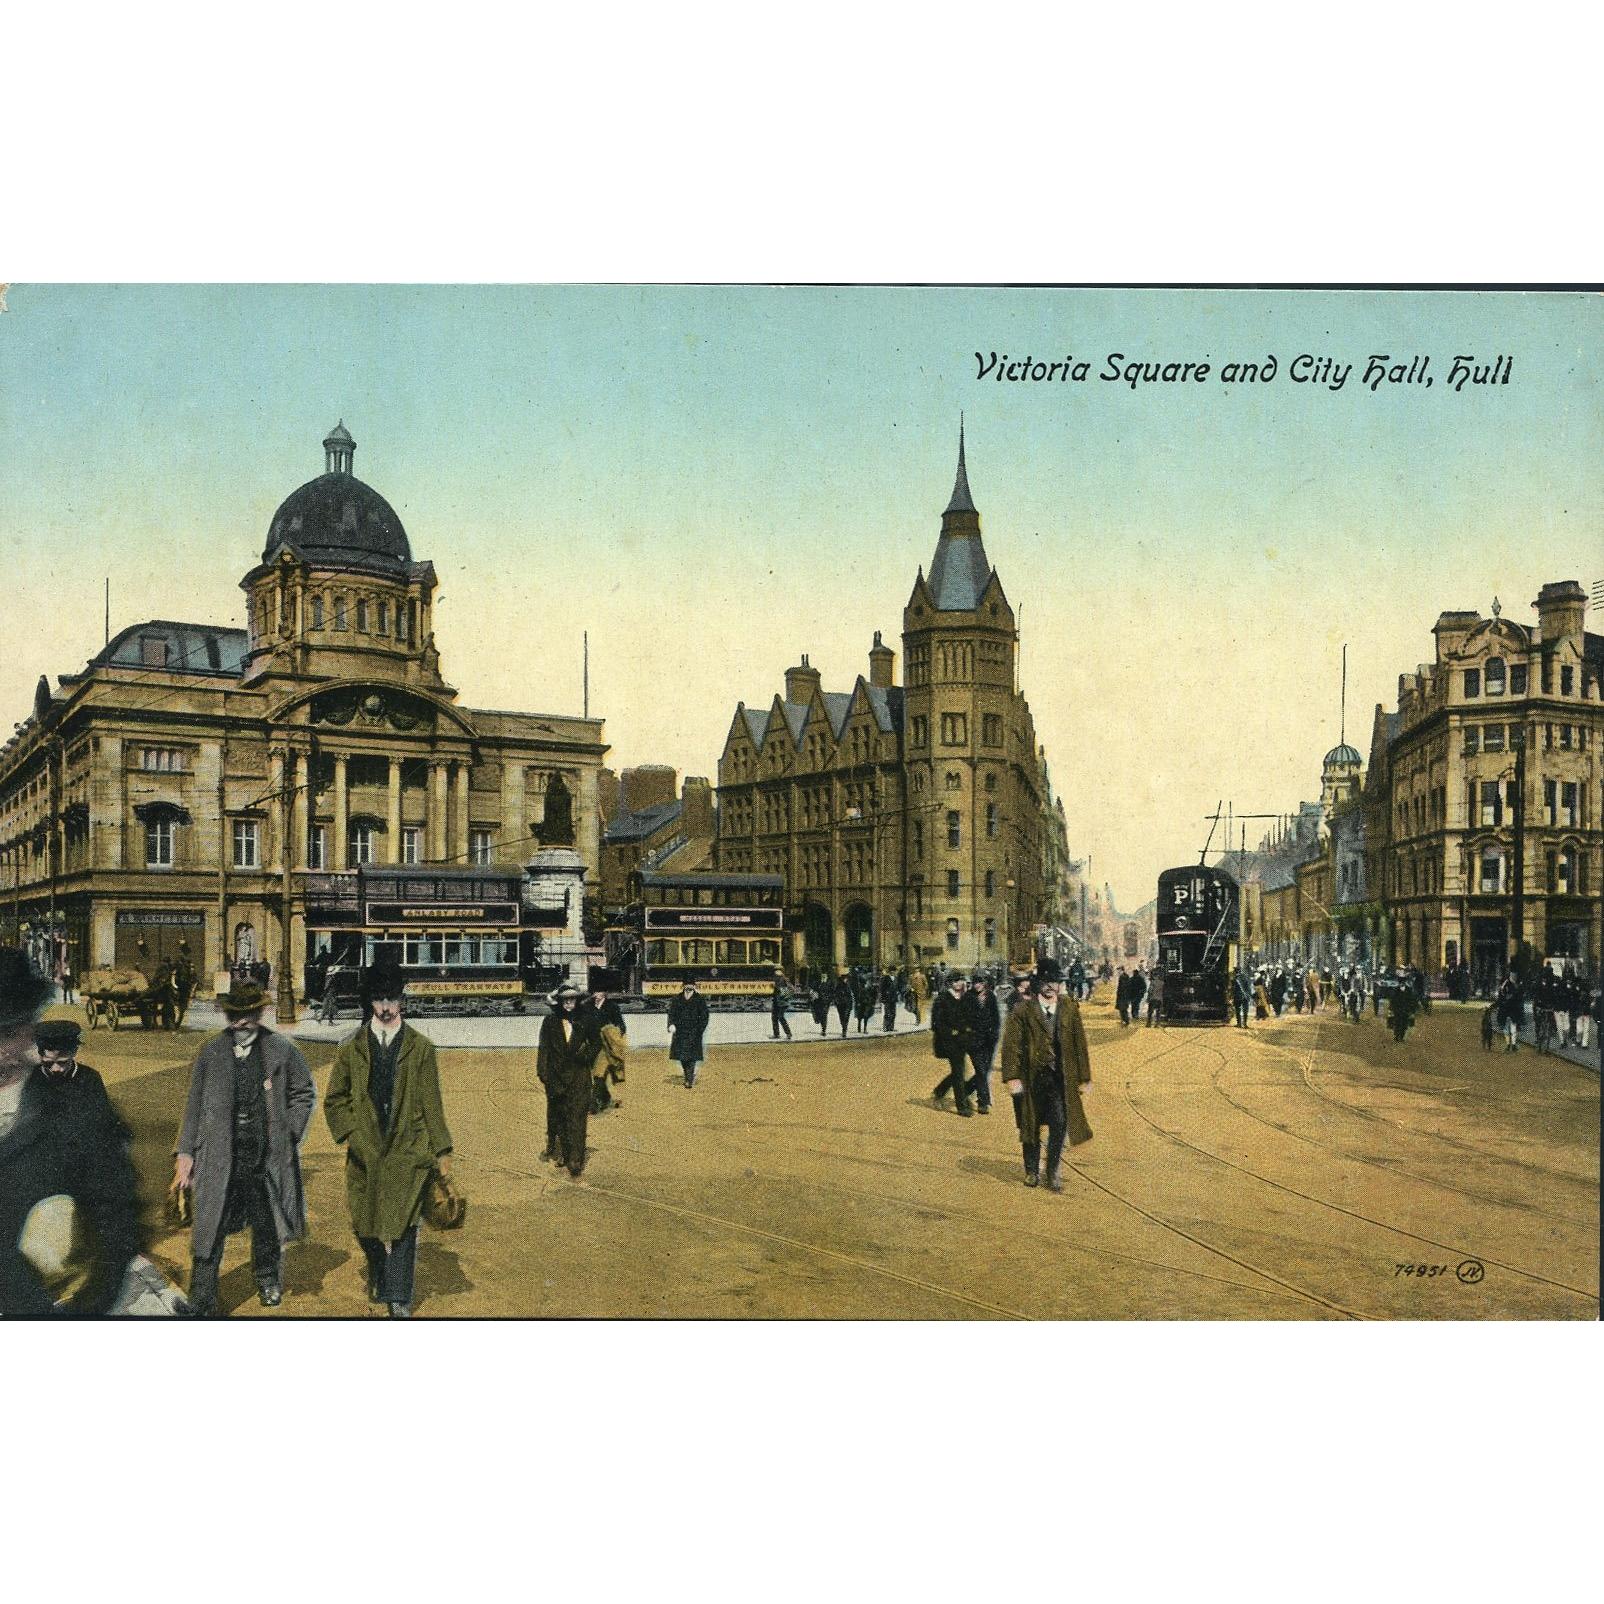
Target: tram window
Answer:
pixel 657 952
pixel 731 952
pixel 462 950
pixel 766 952
pixel 418 888
pixel 696 952
pixel 704 898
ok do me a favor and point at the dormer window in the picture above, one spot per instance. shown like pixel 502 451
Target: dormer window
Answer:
pixel 1493 676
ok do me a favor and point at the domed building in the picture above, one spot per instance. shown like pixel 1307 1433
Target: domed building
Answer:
pixel 199 789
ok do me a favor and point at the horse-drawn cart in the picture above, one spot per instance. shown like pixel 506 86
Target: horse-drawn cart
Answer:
pixel 111 996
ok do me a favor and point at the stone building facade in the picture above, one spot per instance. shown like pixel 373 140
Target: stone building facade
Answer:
pixel 185 784
pixel 911 823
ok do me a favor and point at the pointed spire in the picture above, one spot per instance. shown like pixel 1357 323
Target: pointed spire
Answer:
pixel 961 501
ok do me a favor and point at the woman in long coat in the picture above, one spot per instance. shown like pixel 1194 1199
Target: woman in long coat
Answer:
pixel 387 1170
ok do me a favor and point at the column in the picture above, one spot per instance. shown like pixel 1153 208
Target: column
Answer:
pixel 272 851
pixel 341 815
pixel 435 829
pixel 300 775
pixel 392 817
pixel 513 846
pixel 460 847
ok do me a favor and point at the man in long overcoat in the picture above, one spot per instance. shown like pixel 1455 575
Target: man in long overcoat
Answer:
pixel 951 1036
pixel 384 1105
pixel 1045 1065
pixel 985 1026
pixel 843 1002
pixel 688 1015
pixel 250 1099
pixel 919 991
pixel 563 1058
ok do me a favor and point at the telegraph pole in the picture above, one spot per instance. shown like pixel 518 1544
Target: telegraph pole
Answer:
pixel 284 1006
pixel 1519 823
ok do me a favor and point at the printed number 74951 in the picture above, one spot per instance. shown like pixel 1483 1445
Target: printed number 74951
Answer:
pixel 1419 1269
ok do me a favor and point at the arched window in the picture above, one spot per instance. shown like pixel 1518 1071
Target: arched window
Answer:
pixel 1492 680
pixel 317 612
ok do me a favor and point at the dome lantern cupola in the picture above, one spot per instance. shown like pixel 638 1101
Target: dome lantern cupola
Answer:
pixel 338 449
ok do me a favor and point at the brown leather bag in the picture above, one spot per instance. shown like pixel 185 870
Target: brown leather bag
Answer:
pixel 444 1206
pixel 180 1207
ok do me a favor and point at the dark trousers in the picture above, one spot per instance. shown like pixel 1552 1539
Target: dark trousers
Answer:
pixel 601 1095
pixel 980 1082
pixel 778 1021
pixel 1153 1014
pixel 954 1081
pixel 891 1014
pixel 844 1014
pixel 267 1252
pixel 1242 1011
pixel 1051 1111
pixel 391 1266
pixel 688 1065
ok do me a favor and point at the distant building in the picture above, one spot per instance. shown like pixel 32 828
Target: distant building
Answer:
pixel 654 826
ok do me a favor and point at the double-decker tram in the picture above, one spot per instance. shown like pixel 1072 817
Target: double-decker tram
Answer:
pixel 457 932
pixel 724 931
pixel 1198 925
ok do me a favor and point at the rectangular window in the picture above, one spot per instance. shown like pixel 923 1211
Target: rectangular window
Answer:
pixel 1565 742
pixel 952 882
pixel 1493 678
pixel 954 829
pixel 991 882
pixel 1567 680
pixel 1511 798
pixel 954 729
pixel 1517 679
pixel 247 844
pixel 412 844
pixel 952 935
pixel 1472 682
pixel 1492 806
pixel 1567 805
pixel 479 846
pixel 991 932
pixel 362 843
pixel 918 839
pixel 1492 739
pixel 991 729
pixel 317 847
pixel 921 730
pixel 1491 863
pixel 991 821
pixel 162 760
pixel 159 843
pixel 1472 740
pixel 153 651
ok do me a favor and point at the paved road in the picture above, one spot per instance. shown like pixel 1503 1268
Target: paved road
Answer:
pixel 1305 1169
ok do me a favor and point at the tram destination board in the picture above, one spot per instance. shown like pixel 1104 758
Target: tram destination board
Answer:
pixel 710 918
pixel 433 913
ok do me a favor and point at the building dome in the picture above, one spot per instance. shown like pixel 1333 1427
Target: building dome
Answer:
pixel 337 520
pixel 1342 755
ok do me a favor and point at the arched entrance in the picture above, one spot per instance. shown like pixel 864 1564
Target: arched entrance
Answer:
pixel 859 924
pixel 818 937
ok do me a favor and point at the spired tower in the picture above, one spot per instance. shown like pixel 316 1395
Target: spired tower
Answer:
pixel 962 724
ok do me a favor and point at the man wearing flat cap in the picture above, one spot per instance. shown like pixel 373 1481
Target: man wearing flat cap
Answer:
pixel 384 1104
pixel 563 1059
pixel 250 1099
pixel 1045 1064
pixel 69 1222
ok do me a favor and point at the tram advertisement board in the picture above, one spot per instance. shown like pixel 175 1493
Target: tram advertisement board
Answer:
pixel 715 918
pixel 440 913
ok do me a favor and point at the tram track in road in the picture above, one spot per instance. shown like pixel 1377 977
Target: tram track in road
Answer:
pixel 1377 1164
pixel 1589 1296
pixel 1306 1071
pixel 1277 1286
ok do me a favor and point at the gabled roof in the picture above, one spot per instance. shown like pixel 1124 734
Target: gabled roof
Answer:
pixel 796 715
pixel 887 704
pixel 837 704
pixel 756 723
pixel 637 826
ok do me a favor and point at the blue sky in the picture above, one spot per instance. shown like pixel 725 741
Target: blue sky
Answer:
pixel 713 481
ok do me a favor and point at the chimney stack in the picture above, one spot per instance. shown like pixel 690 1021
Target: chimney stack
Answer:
pixel 801 682
pixel 882 663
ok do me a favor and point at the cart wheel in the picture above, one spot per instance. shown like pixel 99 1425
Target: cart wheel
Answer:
pixel 115 1015
pixel 92 1012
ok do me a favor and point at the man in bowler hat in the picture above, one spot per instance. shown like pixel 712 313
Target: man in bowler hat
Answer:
pixel 384 1105
pixel 563 1060
pixel 250 1099
pixel 1046 1063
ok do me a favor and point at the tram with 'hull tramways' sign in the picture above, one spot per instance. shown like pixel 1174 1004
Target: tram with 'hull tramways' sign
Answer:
pixel 1199 912
pixel 724 931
